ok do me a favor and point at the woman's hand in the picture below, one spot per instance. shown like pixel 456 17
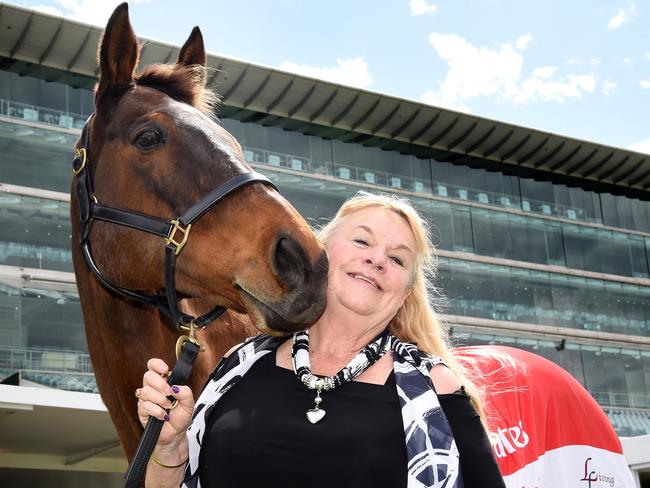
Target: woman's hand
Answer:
pixel 153 401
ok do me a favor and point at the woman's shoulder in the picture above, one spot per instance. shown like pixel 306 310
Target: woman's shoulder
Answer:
pixel 410 351
pixel 256 342
pixel 237 355
pixel 444 380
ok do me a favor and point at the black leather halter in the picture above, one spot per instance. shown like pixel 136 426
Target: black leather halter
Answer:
pixel 175 233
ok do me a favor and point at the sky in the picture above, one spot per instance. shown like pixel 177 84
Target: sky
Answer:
pixel 579 68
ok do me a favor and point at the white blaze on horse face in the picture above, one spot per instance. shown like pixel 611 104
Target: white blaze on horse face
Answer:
pixel 371 258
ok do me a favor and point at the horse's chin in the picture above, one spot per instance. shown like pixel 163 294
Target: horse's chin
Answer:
pixel 265 318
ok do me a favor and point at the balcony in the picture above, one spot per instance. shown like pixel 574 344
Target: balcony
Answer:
pixel 341 171
pixel 43 115
pixel 45 360
pixel 35 230
pixel 571 319
pixel 62 369
pixel 629 422
pixel 391 182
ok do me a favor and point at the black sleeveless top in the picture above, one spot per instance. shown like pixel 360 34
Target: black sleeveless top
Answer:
pixel 258 435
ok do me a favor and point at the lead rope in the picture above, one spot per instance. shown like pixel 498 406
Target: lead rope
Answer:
pixel 187 349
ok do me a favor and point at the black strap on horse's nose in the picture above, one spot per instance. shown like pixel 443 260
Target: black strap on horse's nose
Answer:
pixel 175 233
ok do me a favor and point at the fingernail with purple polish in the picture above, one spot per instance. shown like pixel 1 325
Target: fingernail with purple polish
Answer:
pixel 175 389
pixel 166 418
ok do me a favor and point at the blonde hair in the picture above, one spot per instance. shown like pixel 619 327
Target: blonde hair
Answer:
pixel 416 321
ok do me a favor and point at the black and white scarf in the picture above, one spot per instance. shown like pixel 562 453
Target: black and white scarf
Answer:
pixel 432 455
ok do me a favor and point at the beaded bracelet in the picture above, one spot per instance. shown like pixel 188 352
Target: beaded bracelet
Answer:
pixel 163 465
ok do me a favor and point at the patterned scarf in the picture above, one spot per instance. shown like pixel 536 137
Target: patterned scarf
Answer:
pixel 432 455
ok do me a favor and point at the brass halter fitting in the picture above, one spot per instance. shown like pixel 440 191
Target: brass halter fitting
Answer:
pixel 185 233
pixel 80 153
pixel 189 337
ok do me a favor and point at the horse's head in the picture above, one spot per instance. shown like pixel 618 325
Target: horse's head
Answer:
pixel 154 150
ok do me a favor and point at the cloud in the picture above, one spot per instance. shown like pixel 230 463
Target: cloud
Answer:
pixel 522 42
pixel 94 12
pixel 591 62
pixel 48 9
pixel 351 72
pixel 544 72
pixel 645 83
pixel 608 86
pixel 642 147
pixel 474 71
pixel 538 88
pixel 622 16
pixel 432 97
pixel 420 7
pixel 498 72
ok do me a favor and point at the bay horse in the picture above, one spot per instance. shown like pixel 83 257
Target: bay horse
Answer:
pixel 151 150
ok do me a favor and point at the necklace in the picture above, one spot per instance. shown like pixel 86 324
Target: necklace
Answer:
pixel 359 363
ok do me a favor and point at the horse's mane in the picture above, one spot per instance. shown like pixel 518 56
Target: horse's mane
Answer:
pixel 182 83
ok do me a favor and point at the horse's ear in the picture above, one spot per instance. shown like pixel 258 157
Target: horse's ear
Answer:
pixel 193 51
pixel 118 52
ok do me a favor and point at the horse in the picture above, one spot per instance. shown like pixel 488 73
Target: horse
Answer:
pixel 149 153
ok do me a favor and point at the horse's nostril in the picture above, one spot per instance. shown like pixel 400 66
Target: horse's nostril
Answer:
pixel 290 261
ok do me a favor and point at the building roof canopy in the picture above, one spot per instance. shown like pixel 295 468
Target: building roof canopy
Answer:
pixel 274 97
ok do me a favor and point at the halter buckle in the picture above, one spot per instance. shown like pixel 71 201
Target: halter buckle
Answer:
pixel 79 153
pixel 177 226
pixel 185 338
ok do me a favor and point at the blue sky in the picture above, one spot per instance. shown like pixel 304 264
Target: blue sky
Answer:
pixel 579 68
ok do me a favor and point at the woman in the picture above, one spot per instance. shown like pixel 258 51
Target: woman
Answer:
pixel 367 416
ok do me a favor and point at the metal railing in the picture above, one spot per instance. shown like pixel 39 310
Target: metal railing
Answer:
pixel 36 359
pixel 620 399
pixel 629 422
pixel 572 319
pixel 34 210
pixel 394 181
pixel 337 170
pixel 44 115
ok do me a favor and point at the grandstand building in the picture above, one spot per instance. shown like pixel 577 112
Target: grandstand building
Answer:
pixel 543 240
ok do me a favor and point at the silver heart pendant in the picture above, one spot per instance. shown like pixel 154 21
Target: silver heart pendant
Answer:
pixel 315 415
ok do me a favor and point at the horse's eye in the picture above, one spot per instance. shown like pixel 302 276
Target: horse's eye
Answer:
pixel 148 139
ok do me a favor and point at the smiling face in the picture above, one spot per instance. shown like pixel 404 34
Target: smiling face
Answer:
pixel 371 257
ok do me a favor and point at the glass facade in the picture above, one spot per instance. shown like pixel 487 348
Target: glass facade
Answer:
pixel 574 234
pixel 57 99
pixel 36 156
pixel 615 376
pixel 35 232
pixel 37 319
pixel 373 166
pixel 477 289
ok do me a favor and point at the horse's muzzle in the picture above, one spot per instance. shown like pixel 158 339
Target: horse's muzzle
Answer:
pixel 306 291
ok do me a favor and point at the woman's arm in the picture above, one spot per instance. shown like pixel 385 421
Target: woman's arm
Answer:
pixel 477 462
pixel 170 475
pixel 167 464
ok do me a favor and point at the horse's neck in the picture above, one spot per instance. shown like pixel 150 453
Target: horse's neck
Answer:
pixel 122 337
